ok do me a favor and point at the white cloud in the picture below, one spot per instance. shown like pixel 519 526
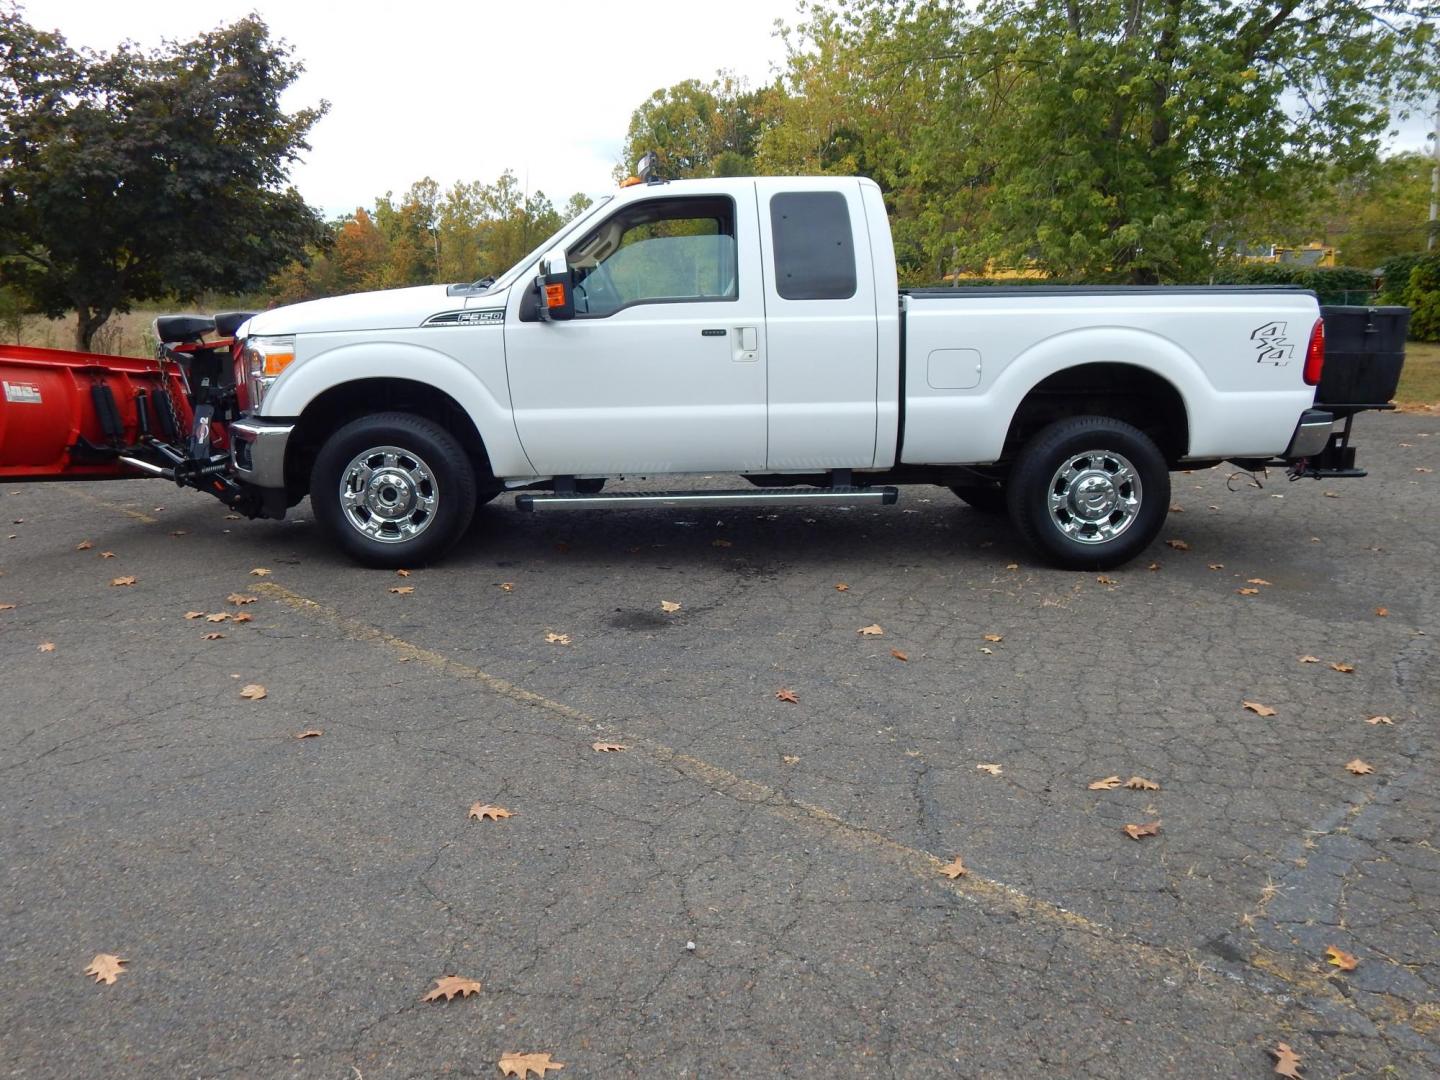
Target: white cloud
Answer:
pixel 460 91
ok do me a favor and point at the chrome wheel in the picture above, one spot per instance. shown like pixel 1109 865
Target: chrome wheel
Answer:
pixel 388 494
pixel 1094 496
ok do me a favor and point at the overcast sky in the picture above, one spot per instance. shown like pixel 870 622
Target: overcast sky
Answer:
pixel 462 90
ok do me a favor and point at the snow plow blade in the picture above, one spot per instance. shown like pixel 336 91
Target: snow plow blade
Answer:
pixel 74 416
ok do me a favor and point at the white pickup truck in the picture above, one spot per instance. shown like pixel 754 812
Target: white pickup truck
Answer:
pixel 756 327
pixel 751 327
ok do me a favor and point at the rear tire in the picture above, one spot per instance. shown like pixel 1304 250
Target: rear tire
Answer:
pixel 393 489
pixel 987 499
pixel 1089 493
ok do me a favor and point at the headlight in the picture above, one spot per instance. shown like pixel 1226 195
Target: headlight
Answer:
pixel 261 362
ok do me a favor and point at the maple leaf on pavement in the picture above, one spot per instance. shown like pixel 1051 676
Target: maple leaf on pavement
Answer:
pixel 239 599
pixel 1359 768
pixel 873 630
pixel 84 545
pixel 954 868
pixel 212 636
pixel 840 586
pixel 1383 612
pixel 46 646
pixel 1307 659
pixel 1178 545
pixel 1379 720
pixel 1341 959
pixel 1139 783
pixel 669 606
pixel 253 692
pixel 1258 709
pixel 990 767
pixel 310 733
pixel 481 811
pixel 402 590
pixel 106 968
pixel 1343 668
pixel 260 571
pixel 521 1065
pixel 242 617
pixel 219 616
pixel 1287 1062
pixel 606 747
pixel 557 639
pixel 898 655
pixel 123 582
pixel 1150 828
pixel 1108 784
pixel 787 695
pixel 402 573
pixel 994 637
pixel 451 985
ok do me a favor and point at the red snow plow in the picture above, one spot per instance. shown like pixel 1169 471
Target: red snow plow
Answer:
pixel 82 416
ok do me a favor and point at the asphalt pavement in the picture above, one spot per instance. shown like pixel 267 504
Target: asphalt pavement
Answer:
pixel 751 886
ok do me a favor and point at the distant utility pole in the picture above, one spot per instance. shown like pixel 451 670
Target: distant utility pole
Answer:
pixel 1434 181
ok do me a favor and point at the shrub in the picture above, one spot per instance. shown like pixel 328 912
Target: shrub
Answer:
pixel 1395 276
pixel 1333 284
pixel 1422 297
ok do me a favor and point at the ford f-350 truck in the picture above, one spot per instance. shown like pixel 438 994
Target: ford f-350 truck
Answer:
pixel 742 326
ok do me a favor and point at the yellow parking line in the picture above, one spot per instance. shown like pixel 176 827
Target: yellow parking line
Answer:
pixel 1106 943
pixel 72 490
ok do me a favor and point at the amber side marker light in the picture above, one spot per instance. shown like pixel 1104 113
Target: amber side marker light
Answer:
pixel 555 295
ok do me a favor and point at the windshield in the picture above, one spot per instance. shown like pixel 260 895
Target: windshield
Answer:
pixel 508 278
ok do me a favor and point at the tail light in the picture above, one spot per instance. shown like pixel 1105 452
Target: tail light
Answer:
pixel 1315 354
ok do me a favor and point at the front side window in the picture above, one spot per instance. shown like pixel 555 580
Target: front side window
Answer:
pixel 657 251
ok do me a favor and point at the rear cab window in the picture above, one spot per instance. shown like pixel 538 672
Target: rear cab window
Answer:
pixel 814 245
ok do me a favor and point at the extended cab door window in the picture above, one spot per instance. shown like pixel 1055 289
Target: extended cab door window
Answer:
pixel 659 251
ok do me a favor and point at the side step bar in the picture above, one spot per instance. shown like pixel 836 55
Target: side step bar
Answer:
pixel 639 500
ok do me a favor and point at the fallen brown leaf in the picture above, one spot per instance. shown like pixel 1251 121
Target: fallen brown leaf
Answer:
pixel 194 614
pixel 990 767
pixel 1383 612
pixel 1012 566
pixel 668 606
pixel 898 655
pixel 1343 668
pixel 402 590
pixel 522 1065
pixel 1331 494
pixel 253 692
pixel 84 545
pixel 954 868
pixel 1423 469
pixel 1176 508
pixel 1153 566
pixel 106 967
pixel 873 630
pixel 7 607
pixel 1287 1062
pixel 1217 566
pixel 1135 832
pixel 993 637
pixel 107 554
pixel 1359 768
pixel 123 582
pixel 558 639
pixel 1258 709
pixel 309 733
pixel 240 599
pixel 212 636
pixel 1248 592
pixel 244 616
pixel 46 646
pixel 1341 959
pixel 1178 545
pixel 402 573
pixel 481 811
pixel 1257 581
pixel 1103 580
pixel 507 586
pixel 1108 784
pixel 260 571
pixel 606 747
pixel 787 695
pixel 1379 720
pixel 451 985
pixel 1139 783
pixel 791 759
pixel 219 616
pixel 1309 659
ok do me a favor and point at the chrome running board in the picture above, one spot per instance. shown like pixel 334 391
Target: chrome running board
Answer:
pixel 640 500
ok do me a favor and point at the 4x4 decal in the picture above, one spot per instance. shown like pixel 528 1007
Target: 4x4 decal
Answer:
pixel 1272 344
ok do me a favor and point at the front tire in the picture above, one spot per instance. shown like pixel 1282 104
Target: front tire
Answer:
pixel 393 489
pixel 1089 493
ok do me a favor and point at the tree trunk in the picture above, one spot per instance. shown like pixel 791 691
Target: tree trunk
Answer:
pixel 88 322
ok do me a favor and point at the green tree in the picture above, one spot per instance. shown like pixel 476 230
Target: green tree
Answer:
pixel 697 129
pixel 135 175
pixel 1380 211
pixel 1128 140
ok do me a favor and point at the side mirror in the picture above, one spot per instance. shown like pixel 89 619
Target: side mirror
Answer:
pixel 555 286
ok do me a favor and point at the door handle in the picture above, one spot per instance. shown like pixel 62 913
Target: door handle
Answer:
pixel 747 344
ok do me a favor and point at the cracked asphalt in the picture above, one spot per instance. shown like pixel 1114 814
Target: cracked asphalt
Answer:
pixel 284 904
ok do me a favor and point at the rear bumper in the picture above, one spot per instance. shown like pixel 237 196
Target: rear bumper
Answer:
pixel 1312 434
pixel 257 451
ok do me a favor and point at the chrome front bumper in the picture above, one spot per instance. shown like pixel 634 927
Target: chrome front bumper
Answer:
pixel 257 451
pixel 1311 434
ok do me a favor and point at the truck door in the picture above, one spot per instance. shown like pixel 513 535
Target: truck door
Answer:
pixel 821 325
pixel 663 367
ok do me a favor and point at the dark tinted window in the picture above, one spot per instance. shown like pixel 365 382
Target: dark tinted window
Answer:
pixel 814 248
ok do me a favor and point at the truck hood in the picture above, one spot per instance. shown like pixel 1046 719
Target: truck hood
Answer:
pixel 391 309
